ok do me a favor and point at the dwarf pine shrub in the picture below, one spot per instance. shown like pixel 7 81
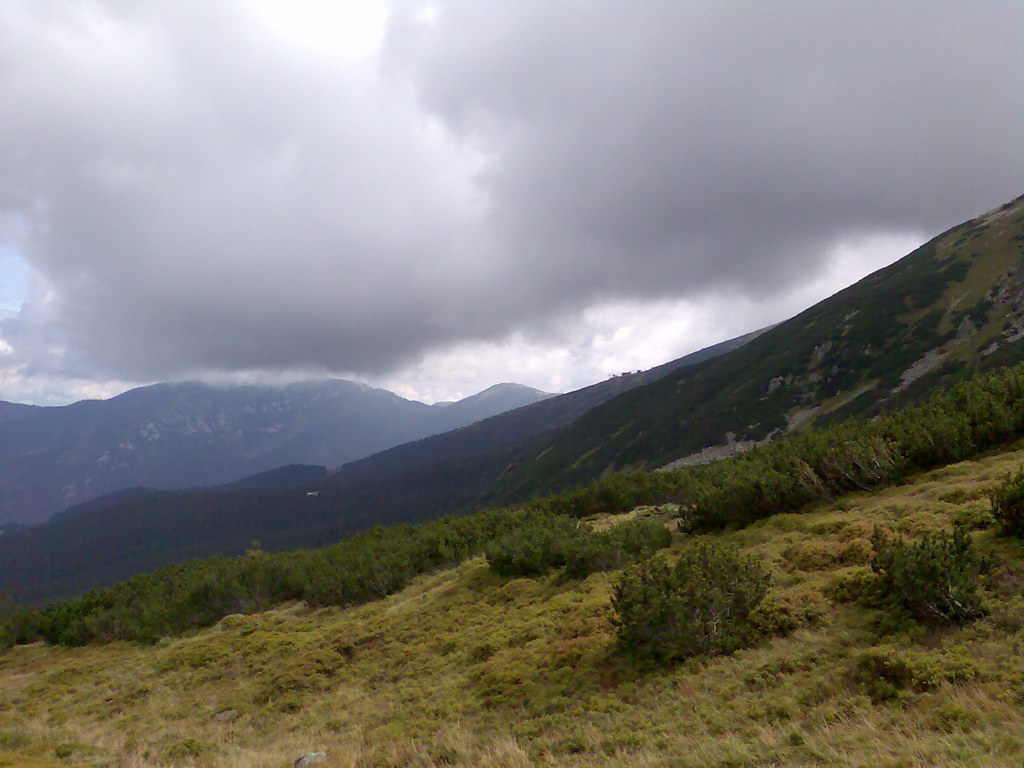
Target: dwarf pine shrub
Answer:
pixel 700 604
pixel 589 552
pixel 935 580
pixel 1008 504
pixel 533 550
pixel 561 542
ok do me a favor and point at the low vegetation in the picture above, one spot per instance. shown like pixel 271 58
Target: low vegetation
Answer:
pixel 699 605
pixel 561 542
pixel 981 413
pixel 465 668
pixel 788 571
pixel 935 579
pixel 1008 504
pixel 185 597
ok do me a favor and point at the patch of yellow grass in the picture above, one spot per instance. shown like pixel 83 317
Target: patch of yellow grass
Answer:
pixel 464 668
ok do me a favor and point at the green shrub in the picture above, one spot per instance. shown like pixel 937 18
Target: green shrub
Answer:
pixel 886 672
pixel 1008 504
pixel 13 740
pixel 559 541
pixel 850 585
pixel 785 610
pixel 532 551
pixel 935 580
pixel 188 748
pixel 16 627
pixel 640 538
pixel 701 604
pixel 587 552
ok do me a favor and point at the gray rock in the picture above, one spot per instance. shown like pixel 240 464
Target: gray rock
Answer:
pixel 310 758
pixel 226 716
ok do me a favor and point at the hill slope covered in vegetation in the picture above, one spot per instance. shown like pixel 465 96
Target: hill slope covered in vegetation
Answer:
pixel 413 482
pixel 466 668
pixel 953 306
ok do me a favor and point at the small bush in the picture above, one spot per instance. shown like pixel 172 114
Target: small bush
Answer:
pixel 1008 504
pixel 12 740
pixel 588 552
pixel 17 627
pixel 850 585
pixel 935 580
pixel 786 610
pixel 188 748
pixel 560 541
pixel 974 519
pixel 825 555
pixel 885 672
pixel 64 751
pixel 532 551
pixel 699 605
pixel 640 538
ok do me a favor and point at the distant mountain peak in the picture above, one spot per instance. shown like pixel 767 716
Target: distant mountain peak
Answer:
pixel 183 434
pixel 507 387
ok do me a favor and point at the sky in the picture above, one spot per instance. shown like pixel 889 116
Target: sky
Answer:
pixel 435 197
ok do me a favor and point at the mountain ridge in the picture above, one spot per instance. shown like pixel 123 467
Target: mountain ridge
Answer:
pixel 952 306
pixel 188 434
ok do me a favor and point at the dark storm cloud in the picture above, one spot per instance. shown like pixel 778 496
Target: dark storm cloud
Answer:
pixel 198 195
pixel 667 147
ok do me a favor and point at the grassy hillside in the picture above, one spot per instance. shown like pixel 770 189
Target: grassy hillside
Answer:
pixel 464 668
pixel 952 307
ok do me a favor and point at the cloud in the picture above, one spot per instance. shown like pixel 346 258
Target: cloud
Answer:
pixel 669 148
pixel 195 193
pixel 626 335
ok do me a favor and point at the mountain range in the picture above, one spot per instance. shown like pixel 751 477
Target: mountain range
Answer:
pixel 179 435
pixel 129 531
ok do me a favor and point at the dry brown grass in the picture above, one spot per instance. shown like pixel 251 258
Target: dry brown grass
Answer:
pixel 467 669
